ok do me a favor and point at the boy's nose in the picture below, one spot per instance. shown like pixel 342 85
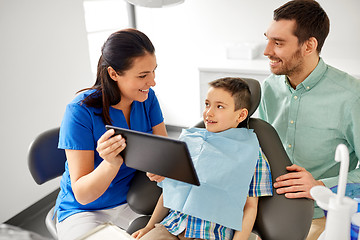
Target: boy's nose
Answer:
pixel 209 112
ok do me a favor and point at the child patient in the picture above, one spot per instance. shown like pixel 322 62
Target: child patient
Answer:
pixel 232 170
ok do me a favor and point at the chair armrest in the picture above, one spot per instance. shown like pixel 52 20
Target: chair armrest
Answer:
pixel 143 194
pixel 278 217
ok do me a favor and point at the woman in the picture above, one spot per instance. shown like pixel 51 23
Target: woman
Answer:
pixel 95 182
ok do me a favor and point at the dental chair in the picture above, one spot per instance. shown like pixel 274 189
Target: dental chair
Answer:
pixel 278 218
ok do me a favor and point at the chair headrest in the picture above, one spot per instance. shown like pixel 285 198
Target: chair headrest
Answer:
pixel 255 91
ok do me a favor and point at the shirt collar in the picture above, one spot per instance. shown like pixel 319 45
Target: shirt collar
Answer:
pixel 314 77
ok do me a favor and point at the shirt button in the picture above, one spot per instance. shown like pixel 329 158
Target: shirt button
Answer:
pixel 307 87
pixel 289 146
pixel 295 97
pixel 291 121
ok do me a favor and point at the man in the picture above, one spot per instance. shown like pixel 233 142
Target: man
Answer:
pixel 313 106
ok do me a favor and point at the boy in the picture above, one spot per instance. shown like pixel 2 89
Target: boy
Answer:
pixel 225 158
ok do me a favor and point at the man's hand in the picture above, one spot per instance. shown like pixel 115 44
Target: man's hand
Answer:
pixel 297 183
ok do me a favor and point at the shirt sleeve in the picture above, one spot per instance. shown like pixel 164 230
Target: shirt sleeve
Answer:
pixel 76 128
pixel 261 183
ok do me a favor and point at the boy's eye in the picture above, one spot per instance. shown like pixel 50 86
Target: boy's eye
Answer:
pixel 206 104
pixel 220 106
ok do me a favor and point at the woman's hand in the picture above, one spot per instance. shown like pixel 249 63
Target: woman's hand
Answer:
pixel 154 177
pixel 109 147
pixel 140 233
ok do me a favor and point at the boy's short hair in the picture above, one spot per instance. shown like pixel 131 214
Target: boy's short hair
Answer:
pixel 238 89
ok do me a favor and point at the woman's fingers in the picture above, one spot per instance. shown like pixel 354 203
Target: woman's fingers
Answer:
pixel 109 147
pixel 106 136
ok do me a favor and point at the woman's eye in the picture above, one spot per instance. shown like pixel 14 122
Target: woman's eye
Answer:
pixel 142 76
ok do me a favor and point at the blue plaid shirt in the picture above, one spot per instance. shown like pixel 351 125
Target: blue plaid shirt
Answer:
pixel 176 222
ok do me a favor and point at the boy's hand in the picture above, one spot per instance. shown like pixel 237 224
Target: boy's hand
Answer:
pixel 140 233
pixel 154 177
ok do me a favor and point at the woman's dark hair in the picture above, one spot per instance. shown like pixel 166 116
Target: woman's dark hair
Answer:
pixel 118 52
pixel 311 20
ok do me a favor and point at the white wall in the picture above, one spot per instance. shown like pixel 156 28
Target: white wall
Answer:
pixel 187 35
pixel 43 62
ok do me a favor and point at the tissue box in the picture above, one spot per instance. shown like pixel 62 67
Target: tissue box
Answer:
pixel 245 50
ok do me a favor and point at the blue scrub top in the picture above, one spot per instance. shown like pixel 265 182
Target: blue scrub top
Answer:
pixel 81 128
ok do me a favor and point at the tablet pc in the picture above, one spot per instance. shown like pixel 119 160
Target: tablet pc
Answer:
pixel 157 154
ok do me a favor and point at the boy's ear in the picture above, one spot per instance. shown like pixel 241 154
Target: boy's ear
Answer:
pixel 243 114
